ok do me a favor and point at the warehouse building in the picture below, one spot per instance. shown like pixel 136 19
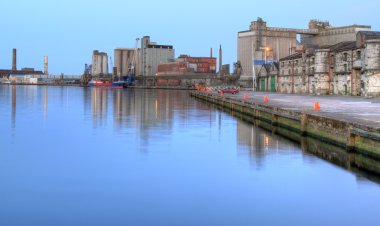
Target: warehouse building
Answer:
pixel 346 68
pixel 185 65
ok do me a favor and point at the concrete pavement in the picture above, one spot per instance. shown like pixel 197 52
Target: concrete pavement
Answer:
pixel 351 109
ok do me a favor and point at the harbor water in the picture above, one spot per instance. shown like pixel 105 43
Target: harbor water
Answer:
pixel 82 156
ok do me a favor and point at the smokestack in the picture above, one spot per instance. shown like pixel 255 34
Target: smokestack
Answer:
pixel 46 65
pixel 14 60
pixel 211 53
pixel 220 59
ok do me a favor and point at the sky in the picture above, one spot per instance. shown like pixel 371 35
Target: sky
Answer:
pixel 69 30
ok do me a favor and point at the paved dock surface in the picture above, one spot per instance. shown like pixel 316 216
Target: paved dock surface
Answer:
pixel 353 109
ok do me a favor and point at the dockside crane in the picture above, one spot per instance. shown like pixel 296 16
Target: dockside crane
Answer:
pixel 132 70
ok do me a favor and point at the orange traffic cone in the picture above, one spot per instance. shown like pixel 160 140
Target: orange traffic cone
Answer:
pixel 316 106
pixel 266 99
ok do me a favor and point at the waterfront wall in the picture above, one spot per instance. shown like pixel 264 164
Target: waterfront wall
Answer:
pixel 295 125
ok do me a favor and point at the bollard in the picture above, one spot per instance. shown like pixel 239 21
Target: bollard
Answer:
pixel 266 99
pixel 316 106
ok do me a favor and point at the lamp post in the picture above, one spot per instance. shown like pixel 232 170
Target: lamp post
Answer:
pixel 266 51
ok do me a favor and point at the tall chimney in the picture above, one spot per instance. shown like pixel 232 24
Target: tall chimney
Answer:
pixel 211 53
pixel 220 59
pixel 46 65
pixel 14 60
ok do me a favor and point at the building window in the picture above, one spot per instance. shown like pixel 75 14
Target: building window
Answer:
pixel 296 62
pixel 312 70
pixel 290 71
pixel 282 64
pixel 296 72
pixel 290 63
pixel 345 68
pixel 358 55
pixel 282 72
pixel 345 56
pixel 313 60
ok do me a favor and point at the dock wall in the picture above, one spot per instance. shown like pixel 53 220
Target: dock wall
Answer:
pixel 295 125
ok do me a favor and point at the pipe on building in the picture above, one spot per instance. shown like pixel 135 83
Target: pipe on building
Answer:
pixel 352 72
pixel 220 59
pixel 14 60
pixel 46 65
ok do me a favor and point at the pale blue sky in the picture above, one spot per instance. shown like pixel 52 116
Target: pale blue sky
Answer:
pixel 68 30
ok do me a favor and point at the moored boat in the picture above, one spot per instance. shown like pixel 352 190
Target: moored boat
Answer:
pixel 119 84
pixel 99 83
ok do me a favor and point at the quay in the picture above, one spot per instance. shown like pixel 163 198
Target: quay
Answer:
pixel 351 123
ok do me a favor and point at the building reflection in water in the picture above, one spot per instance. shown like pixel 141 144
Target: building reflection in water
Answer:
pixel 14 105
pixel 45 102
pixel 99 99
pixel 136 111
pixel 259 143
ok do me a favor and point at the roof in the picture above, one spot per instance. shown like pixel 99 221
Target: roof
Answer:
pixel 342 46
pixel 370 34
pixel 292 57
pixel 19 72
pixel 268 66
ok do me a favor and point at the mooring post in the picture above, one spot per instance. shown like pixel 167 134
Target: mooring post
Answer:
pixel 304 121
pixel 351 137
pixel 275 117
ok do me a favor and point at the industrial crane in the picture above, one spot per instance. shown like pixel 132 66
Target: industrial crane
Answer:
pixel 132 70
pixel 112 71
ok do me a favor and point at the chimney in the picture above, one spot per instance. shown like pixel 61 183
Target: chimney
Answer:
pixel 211 53
pixel 46 65
pixel 14 60
pixel 220 59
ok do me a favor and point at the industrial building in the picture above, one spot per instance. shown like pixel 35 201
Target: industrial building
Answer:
pixel 99 63
pixel 125 60
pixel 13 73
pixel 262 45
pixel 152 55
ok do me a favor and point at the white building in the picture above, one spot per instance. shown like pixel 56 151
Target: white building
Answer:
pixel 99 63
pixel 152 55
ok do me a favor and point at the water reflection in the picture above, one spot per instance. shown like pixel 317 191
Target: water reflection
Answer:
pixel 45 102
pixel 14 105
pixel 99 107
pixel 114 157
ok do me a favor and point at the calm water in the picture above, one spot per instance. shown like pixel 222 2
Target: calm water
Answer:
pixel 73 156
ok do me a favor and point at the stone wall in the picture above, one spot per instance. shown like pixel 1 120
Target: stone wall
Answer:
pixel 371 70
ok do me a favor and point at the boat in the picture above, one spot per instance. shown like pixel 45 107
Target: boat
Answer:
pixel 100 83
pixel 119 84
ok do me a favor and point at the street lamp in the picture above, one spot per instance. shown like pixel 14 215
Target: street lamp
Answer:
pixel 266 51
